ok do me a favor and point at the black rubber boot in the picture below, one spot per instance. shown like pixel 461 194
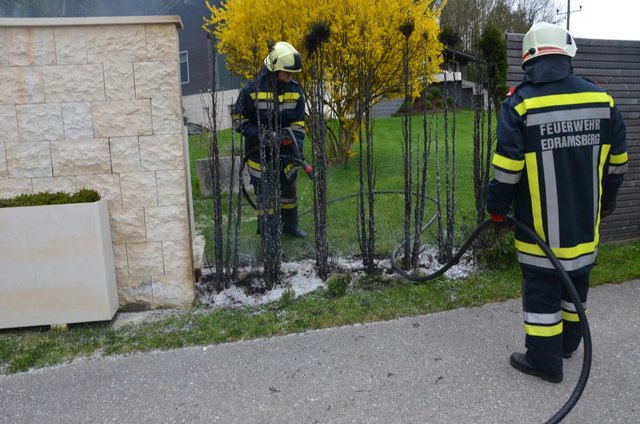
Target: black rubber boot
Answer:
pixel 519 362
pixel 290 223
pixel 295 232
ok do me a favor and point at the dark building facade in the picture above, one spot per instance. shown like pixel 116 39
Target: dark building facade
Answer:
pixel 194 47
pixel 195 54
pixel 453 80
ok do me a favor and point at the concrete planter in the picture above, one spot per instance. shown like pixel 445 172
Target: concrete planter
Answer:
pixel 203 170
pixel 56 265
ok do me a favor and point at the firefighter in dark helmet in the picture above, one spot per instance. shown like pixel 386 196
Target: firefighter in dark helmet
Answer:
pixel 559 161
pixel 274 104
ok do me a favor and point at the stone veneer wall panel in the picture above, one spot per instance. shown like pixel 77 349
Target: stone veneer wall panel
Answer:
pixel 170 187
pixel 11 187
pixel 150 75
pixel 161 152
pixel 4 171
pixel 96 103
pixel 119 44
pixel 120 261
pixel 28 160
pixel 122 118
pixel 81 157
pixel 4 49
pixel 9 124
pixel 118 81
pixel 40 122
pixel 139 189
pixel 77 121
pixel 51 185
pixel 125 154
pixel 31 46
pixel 166 115
pixel 108 185
pixel 73 83
pixel 161 43
pixel 127 225
pixel 71 45
pixel 21 85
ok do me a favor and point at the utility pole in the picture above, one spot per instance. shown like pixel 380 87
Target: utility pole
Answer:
pixel 568 12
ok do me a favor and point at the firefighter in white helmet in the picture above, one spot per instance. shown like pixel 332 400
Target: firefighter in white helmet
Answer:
pixel 274 104
pixel 559 162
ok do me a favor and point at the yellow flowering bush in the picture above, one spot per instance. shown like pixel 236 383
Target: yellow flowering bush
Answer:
pixel 359 29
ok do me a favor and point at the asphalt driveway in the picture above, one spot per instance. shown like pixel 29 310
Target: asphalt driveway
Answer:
pixel 449 367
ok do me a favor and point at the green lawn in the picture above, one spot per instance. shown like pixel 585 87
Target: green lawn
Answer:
pixel 343 180
pixel 368 299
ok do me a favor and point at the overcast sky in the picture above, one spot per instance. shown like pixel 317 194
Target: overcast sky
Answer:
pixel 608 19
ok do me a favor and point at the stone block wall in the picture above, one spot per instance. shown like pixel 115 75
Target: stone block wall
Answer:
pixel 96 103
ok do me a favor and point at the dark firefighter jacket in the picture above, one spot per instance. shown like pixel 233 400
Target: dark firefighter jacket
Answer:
pixel 560 159
pixel 257 111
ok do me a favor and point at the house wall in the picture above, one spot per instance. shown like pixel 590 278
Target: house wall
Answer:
pixel 193 39
pixel 96 103
pixel 615 65
pixel 196 95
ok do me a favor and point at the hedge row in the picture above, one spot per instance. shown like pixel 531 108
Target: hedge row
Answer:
pixel 59 198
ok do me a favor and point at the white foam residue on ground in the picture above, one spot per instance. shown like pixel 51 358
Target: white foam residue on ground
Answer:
pixel 429 264
pixel 301 277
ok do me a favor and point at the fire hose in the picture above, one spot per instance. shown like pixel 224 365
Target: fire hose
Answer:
pixel 296 158
pixel 564 277
pixel 287 139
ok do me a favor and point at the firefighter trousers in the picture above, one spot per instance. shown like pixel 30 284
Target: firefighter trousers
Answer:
pixel 551 322
pixel 288 200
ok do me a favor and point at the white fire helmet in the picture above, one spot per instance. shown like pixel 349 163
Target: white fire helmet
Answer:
pixel 544 38
pixel 283 57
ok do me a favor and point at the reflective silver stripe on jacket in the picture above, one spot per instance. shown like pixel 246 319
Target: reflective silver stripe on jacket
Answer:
pixel 535 318
pixel 568 115
pixel 568 264
pixel 268 105
pixel 264 105
pixel 596 184
pixel 506 177
pixel 551 196
pixel 254 169
pixel 618 169
pixel 290 169
pixel 254 173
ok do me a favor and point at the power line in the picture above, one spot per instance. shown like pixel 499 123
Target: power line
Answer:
pixel 568 12
pixel 166 7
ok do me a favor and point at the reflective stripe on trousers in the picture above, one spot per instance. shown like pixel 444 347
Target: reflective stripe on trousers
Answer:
pixel 550 321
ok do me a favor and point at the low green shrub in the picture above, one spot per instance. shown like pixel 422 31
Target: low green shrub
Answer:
pixel 59 198
pixel 373 282
pixel 195 186
pixel 287 298
pixel 338 284
pixel 499 251
pixel 435 92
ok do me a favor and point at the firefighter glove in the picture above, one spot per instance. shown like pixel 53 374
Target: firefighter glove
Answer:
pixel 500 221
